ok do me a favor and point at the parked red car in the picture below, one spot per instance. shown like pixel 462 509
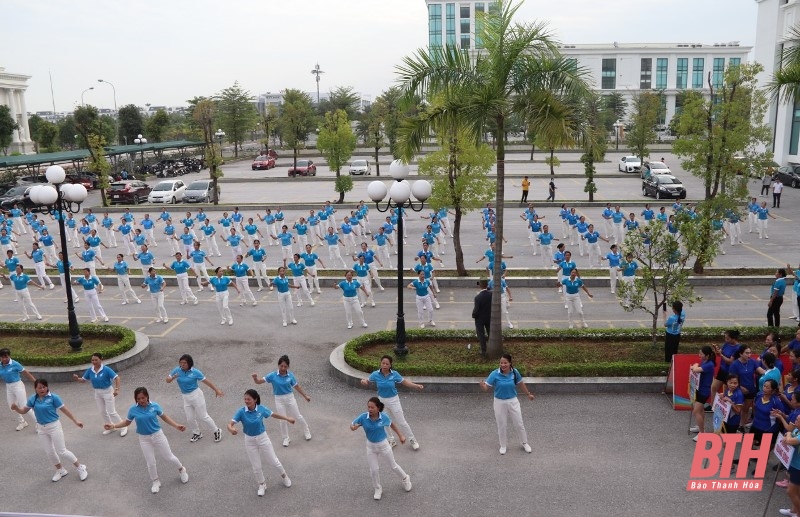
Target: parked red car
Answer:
pixel 131 191
pixel 263 162
pixel 303 168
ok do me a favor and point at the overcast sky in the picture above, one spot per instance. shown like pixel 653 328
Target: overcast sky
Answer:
pixel 168 51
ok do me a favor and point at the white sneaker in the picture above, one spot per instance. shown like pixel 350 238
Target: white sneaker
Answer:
pixel 222 322
pixel 107 432
pixel 502 450
pixel 694 429
pixel 286 481
pixel 262 489
pixel 349 325
pixel 307 434
pixel 230 322
pixel 433 323
pixel 526 448
pixel 422 325
pixel 510 325
pixel 82 472
pixel 585 325
pixel 414 444
pixel 259 290
pixel 105 318
pixel 294 322
pixel 156 486
pixel 22 425
pixel 284 323
pixel 184 475
pixel 377 494
pixel 140 301
pixel 60 473
pixel 123 431
pixel 364 325
pixel 407 483
pixel 286 442
pixel 787 511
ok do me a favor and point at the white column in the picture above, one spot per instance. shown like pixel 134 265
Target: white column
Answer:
pixel 26 132
pixel 12 105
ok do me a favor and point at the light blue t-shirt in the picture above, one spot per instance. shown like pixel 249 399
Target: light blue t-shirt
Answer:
pixel 281 384
pixel 297 268
pixel 20 281
pixel 281 283
pixel 121 267
pixel 504 384
pixel 146 418
pixel 349 289
pixel 421 288
pixel 153 283
pixel 386 384
pixel 10 372
pixel 252 421
pixel 374 429
pixel 88 283
pixel 102 379
pixel 187 379
pixel 45 409
pixel 240 270
pixel 257 254
pixel 180 266
pixel 220 283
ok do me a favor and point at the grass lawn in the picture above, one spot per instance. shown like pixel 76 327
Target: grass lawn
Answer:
pixel 52 345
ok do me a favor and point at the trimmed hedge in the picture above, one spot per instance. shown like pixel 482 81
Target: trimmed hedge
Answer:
pixel 125 340
pixel 613 368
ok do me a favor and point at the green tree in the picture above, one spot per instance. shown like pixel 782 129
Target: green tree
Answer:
pixel 269 118
pixel 34 123
pixel 593 139
pixel 108 127
pixel 662 276
pixel 131 123
pixel 390 106
pixel 156 126
pixel 372 124
pixel 47 135
pixel 615 108
pixel 785 83
pixel 337 142
pixel 712 131
pixel 237 114
pixel 459 176
pixel 98 164
pixel 7 127
pixel 203 114
pixel 341 98
pixel 517 59
pixel 296 120
pixel 87 122
pixel 645 111
pixel 68 133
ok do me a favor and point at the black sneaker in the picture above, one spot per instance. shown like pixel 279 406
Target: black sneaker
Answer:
pixel 218 435
pixel 195 437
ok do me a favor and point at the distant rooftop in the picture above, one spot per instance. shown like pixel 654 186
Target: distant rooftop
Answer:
pixel 634 46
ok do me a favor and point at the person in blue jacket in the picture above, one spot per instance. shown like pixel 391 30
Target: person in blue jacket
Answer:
pixel 374 422
pixel 106 385
pixel 256 441
pixel 505 381
pixel 705 367
pixel 151 438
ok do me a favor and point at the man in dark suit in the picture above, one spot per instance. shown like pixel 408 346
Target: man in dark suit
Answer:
pixel 482 313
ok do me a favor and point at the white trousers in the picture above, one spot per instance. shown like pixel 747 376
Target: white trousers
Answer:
pixel 245 294
pixel 383 255
pixel 394 407
pixel 287 310
pixel 619 233
pixel 375 451
pixel 92 265
pixel 187 295
pixel 574 307
pixel 286 405
pixel 351 306
pixel 212 246
pixel 174 245
pixel 313 282
pixel 349 243
pixel 157 442
pixel 762 228
pixel 751 221
pixel 18 224
pixel 104 398
pixel 504 307
pixel 424 302
pixel 51 436
pixel 503 410
pixel 194 405
pixel 594 253
pixel 201 272
pixel 222 305
pixel 535 244
pixel 111 237
pixel 302 240
pixel 41 273
pixel 609 225
pixel 27 303
pixel 368 288
pixel 236 251
pixel 124 284
pixel 129 244
pixel 15 394
pixel 260 270
pixel 50 251
pixel 254 446
pixel 98 251
pixel 373 272
pixel 614 274
pixel 158 298
pixel 93 302
pixel 72 289
pixel 272 230
pixel 735 231
pixel 629 288
pixel 300 281
pixel 335 256
pixel 547 255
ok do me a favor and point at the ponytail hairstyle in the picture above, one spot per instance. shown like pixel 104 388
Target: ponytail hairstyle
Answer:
pixel 254 395
pixel 377 402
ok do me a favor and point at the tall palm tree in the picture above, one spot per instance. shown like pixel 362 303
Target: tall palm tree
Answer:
pixel 785 84
pixel 517 59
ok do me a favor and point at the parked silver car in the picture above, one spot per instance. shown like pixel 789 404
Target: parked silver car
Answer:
pixel 199 191
pixel 360 168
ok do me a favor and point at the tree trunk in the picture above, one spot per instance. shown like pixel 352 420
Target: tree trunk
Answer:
pixel 341 194
pixel 552 155
pixel 103 197
pixel 655 328
pixel 377 165
pixel 494 348
pixel 235 149
pixel 462 271
pixel 533 148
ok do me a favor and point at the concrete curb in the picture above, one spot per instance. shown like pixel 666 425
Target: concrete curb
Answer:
pixel 134 356
pixel 547 385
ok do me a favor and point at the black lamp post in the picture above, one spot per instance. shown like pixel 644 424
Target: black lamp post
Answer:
pixel 617 127
pixel 400 194
pixel 140 141
pixel 62 197
pixel 220 134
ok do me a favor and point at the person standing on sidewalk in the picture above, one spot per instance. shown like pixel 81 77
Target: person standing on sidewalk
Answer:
pixel 776 293
pixel 551 191
pixel 194 402
pixel 10 371
pixel 482 313
pixel 673 325
pixel 526 185
pixel 504 381
pixel 45 406
pixel 283 383
pixel 102 377
pixel 155 284
pixel 777 188
pixel 766 181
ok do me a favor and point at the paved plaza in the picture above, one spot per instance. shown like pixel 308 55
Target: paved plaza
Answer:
pixel 593 453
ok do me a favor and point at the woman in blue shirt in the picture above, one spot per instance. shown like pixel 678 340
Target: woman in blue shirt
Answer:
pixel 350 289
pixel 424 295
pixel 194 402
pixel 706 370
pixel 285 295
pixel 375 423
pixel 504 382
pixel 673 325
pixel 765 406
pixel 256 441
pixel 572 294
pixel 745 367
pixel 776 293
pixel 221 284
pixel 45 406
pixel 283 383
pixel 155 284
pixel 151 437
pixel 91 285
pixel 725 353
pixel 11 372
pixel 20 282
pixel 733 395
pixel 386 381
pixel 102 377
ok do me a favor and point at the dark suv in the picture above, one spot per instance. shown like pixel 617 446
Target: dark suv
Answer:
pixel 17 195
pixel 789 175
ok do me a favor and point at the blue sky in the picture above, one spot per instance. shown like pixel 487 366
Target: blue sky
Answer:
pixel 165 52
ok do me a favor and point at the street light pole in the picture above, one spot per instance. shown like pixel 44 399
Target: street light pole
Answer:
pixel 84 91
pixel 62 197
pixel 140 141
pixel 399 198
pixel 220 134
pixel 316 71
pixel 617 126
pixel 116 113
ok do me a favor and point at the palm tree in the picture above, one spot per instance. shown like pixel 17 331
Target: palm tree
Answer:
pixel 516 60
pixel 785 84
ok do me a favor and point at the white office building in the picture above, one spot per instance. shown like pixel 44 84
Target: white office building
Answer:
pixel 773 30
pixel 12 94
pixel 626 68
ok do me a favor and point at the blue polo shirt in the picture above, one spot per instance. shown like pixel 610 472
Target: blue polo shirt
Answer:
pixel 281 384
pixel 362 270
pixel 545 238
pixel 37 255
pixel 349 289
pixel 675 323
pixel 332 239
pixel 257 254
pixel 93 241
pixel 187 379
pixel 374 429
pixel 10 372
pixel 220 283
pixel 572 286
pixel 180 266
pixel 198 256
pixel 153 283
pixel 88 255
pixel 146 418
pixel 207 229
pixel 252 421
pixel 310 259
pixel 147 224
pixel 251 229
pixel 297 268
pixel 629 268
pixel 88 283
pixel 386 384
pixel 504 384
pixel 121 267
pixel 45 409
pixel 186 239
pixel 20 281
pixel 146 258
pixel 421 288
pixel 778 287
pixel 234 240
pixel 240 270
pixel 285 238
pixel 281 283
pixel 102 379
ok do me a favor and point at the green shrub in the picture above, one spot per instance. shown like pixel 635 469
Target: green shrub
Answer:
pixel 123 340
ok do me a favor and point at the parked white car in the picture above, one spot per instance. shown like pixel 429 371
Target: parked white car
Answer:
pixel 167 191
pixel 629 164
pixel 360 167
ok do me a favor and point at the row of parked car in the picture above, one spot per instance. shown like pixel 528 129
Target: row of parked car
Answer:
pixel 657 179
pixel 166 192
pixel 304 167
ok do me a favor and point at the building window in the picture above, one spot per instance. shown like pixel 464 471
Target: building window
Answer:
pixel 735 61
pixel 646 76
pixel 793 143
pixel 718 74
pixel 609 74
pixel 435 25
pixel 662 67
pixel 480 8
pixel 662 114
pixel 465 41
pixel 697 72
pixel 572 64
pixel 681 78
pixel 450 10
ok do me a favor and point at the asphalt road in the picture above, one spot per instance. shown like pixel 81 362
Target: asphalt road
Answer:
pixel 593 453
